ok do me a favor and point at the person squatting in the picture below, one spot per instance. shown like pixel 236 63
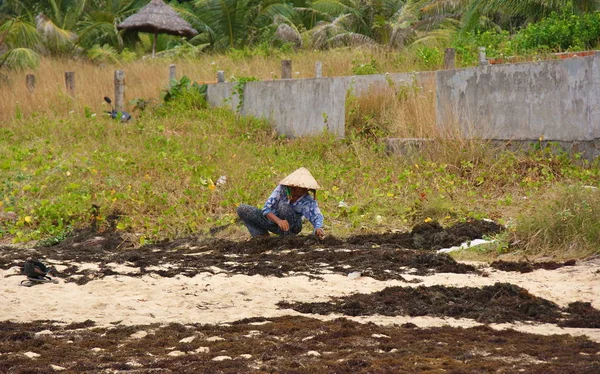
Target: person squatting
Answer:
pixel 286 206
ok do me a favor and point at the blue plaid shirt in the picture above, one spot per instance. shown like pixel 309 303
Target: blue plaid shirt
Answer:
pixel 306 205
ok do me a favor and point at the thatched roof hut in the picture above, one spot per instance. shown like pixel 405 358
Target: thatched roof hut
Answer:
pixel 158 18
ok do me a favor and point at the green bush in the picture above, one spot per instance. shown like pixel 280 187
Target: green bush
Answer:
pixel 429 57
pixel 560 32
pixel 187 94
pixel 368 68
pixel 556 33
pixel 497 44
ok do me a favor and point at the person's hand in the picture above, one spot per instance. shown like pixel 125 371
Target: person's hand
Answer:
pixel 283 225
pixel 320 233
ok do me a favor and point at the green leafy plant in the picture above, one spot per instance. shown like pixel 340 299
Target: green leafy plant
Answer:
pixel 141 104
pixel 178 89
pixel 560 32
pixel 184 94
pixel 429 57
pixel 238 89
pixel 368 68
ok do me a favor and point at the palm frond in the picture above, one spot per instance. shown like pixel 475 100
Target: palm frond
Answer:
pixel 17 32
pixel 53 33
pixel 401 36
pixel 20 59
pixel 435 38
pixel 268 14
pixel 444 6
pixel 289 34
pixel 331 7
pixel 321 33
pixel 351 39
pixel 103 54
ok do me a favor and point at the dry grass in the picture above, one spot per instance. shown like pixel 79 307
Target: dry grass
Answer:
pixel 146 78
pixel 409 111
pixel 396 111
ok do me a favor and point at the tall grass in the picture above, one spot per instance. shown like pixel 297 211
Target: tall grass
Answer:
pixel 566 225
pixel 144 79
pixel 401 111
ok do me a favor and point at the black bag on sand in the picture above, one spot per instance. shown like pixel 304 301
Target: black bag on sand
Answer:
pixel 36 273
pixel 31 265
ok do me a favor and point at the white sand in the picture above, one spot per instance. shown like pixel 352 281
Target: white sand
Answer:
pixel 223 298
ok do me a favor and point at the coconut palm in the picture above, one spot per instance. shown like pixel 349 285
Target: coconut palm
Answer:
pixel 237 23
pixel 19 38
pixel 99 24
pixel 54 22
pixel 394 23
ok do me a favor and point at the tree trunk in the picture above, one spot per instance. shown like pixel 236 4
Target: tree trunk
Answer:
pixel 154 43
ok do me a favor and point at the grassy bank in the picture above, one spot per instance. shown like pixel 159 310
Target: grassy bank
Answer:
pixel 155 178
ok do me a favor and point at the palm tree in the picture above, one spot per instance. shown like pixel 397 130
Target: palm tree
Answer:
pixel 237 23
pixel 53 20
pixel 99 24
pixel 19 38
pixel 394 23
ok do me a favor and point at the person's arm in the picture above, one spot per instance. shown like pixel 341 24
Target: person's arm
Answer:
pixel 273 200
pixel 315 217
pixel 283 224
pixel 269 208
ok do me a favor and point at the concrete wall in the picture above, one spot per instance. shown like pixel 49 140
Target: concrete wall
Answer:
pixel 557 100
pixel 300 107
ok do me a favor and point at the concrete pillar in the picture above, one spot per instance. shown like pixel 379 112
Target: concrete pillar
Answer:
pixel 70 82
pixel 119 90
pixel 30 82
pixel 449 58
pixel 172 72
pixel 220 76
pixel 319 69
pixel 482 58
pixel 286 69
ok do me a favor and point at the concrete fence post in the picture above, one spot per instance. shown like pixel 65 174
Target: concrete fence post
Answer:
pixel 482 58
pixel 220 76
pixel 119 90
pixel 172 72
pixel 319 69
pixel 449 58
pixel 30 82
pixel 70 82
pixel 286 69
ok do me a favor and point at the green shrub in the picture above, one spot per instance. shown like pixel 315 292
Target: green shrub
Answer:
pixel 185 93
pixel 368 68
pixel 560 32
pixel 496 43
pixel 429 57
pixel 555 33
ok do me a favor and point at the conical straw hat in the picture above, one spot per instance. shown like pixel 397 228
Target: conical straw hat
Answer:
pixel 301 178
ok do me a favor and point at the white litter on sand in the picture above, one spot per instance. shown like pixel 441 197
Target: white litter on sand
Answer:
pixel 465 245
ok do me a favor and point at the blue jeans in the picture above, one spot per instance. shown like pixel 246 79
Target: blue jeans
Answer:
pixel 259 225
